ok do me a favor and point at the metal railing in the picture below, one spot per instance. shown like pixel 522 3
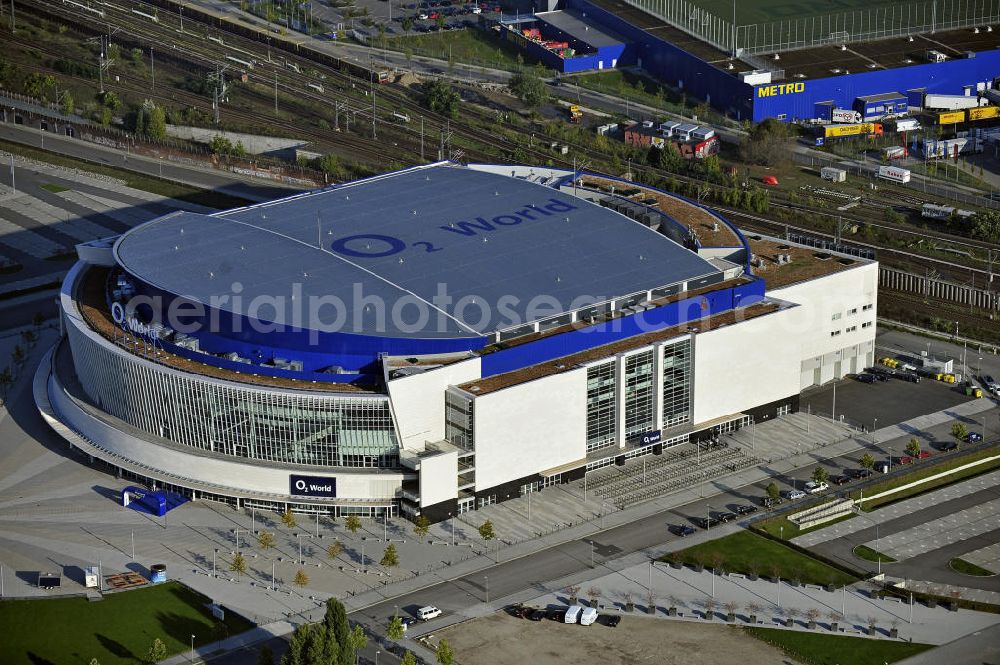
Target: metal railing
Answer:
pixel 885 22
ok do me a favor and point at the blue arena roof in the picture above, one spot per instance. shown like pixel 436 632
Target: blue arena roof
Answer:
pixel 477 251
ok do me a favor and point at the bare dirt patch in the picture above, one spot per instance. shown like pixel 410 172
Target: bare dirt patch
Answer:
pixel 503 640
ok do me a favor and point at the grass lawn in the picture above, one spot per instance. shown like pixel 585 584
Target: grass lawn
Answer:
pixel 966 568
pixel 761 11
pixel 118 629
pixel 868 554
pixel 782 527
pixel 54 188
pixel 146 183
pixel 745 551
pixel 930 471
pixel 819 649
pixel 468 46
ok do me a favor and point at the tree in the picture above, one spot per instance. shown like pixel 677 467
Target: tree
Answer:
pixel 6 380
pixel 767 143
pixel 265 656
pixel 395 630
pixel 593 594
pixel 301 579
pixel 334 549
pixel 288 519
pixel 329 164
pixel 157 651
pixel 39 85
pixel 867 461
pixel 17 355
pixel 94 661
pixel 38 319
pixel 409 659
pixel 357 641
pixel 407 23
pixel 486 531
pixel 220 145
pixel 441 98
pixel 266 540
pixel 391 558
pixel 136 54
pixel 445 656
pixel 985 225
pixel 68 103
pixel 440 22
pixel 421 527
pixel 110 100
pixel 820 475
pixel 156 123
pixel 353 523
pixel 298 645
pixel 773 490
pixel 958 431
pixel 239 564
pixel 335 621
pixel 529 87
pixel 913 448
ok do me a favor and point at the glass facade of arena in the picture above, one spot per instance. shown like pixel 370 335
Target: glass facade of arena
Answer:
pixel 459 419
pixel 677 383
pixel 234 419
pixel 640 416
pixel 600 405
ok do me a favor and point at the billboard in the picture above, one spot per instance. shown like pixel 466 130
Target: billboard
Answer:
pixel 984 112
pixel 318 486
pixel 951 117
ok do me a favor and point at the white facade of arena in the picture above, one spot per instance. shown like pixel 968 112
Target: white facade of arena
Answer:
pixel 440 444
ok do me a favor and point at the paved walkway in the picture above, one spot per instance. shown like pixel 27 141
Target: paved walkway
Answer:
pixel 956 527
pixel 695 594
pixel 901 509
pixel 985 557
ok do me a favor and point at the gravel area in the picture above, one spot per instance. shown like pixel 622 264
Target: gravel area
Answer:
pixel 503 640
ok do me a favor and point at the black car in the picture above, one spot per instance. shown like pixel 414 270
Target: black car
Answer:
pixel 910 376
pixel 684 530
pixel 706 522
pixel 556 615
pixel 866 378
pixel 746 509
pixel 860 473
pixel 951 445
pixel 768 502
pixel 514 610
pixel 724 517
pixel 537 615
pixel 611 620
pixel 839 480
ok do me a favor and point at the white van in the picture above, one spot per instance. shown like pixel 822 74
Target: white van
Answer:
pixel 428 613
pixel 573 613
pixel 588 616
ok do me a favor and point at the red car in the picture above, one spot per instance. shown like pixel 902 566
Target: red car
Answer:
pixel 905 459
pixel 924 454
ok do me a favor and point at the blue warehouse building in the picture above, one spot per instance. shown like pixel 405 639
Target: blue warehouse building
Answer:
pixel 804 84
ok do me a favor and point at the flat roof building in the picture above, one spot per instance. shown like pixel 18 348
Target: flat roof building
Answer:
pixel 198 353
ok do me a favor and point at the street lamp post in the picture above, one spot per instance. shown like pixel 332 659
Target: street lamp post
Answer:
pixel 215 552
pixel 874 427
pixel 253 520
pixel 486 578
pixel 708 518
pixel 192 648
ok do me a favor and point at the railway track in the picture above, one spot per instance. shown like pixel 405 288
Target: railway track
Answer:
pixel 210 45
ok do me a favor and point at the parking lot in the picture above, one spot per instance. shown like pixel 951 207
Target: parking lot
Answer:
pixel 890 402
pixel 499 639
pixel 427 15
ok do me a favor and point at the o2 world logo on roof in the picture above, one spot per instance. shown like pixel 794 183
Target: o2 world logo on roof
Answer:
pixel 376 245
pixel 780 89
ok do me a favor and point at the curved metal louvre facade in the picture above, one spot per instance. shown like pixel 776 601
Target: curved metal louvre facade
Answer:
pixel 231 419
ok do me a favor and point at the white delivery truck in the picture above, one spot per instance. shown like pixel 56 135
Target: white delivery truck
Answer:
pixel 573 613
pixel 894 173
pixel 833 174
pixel 588 616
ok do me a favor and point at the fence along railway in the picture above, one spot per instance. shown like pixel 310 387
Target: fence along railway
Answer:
pixel 927 286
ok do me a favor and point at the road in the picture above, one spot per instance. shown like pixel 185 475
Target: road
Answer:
pixel 232 184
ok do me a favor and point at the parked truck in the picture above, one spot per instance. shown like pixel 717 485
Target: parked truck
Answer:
pixel 894 173
pixel 853 130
